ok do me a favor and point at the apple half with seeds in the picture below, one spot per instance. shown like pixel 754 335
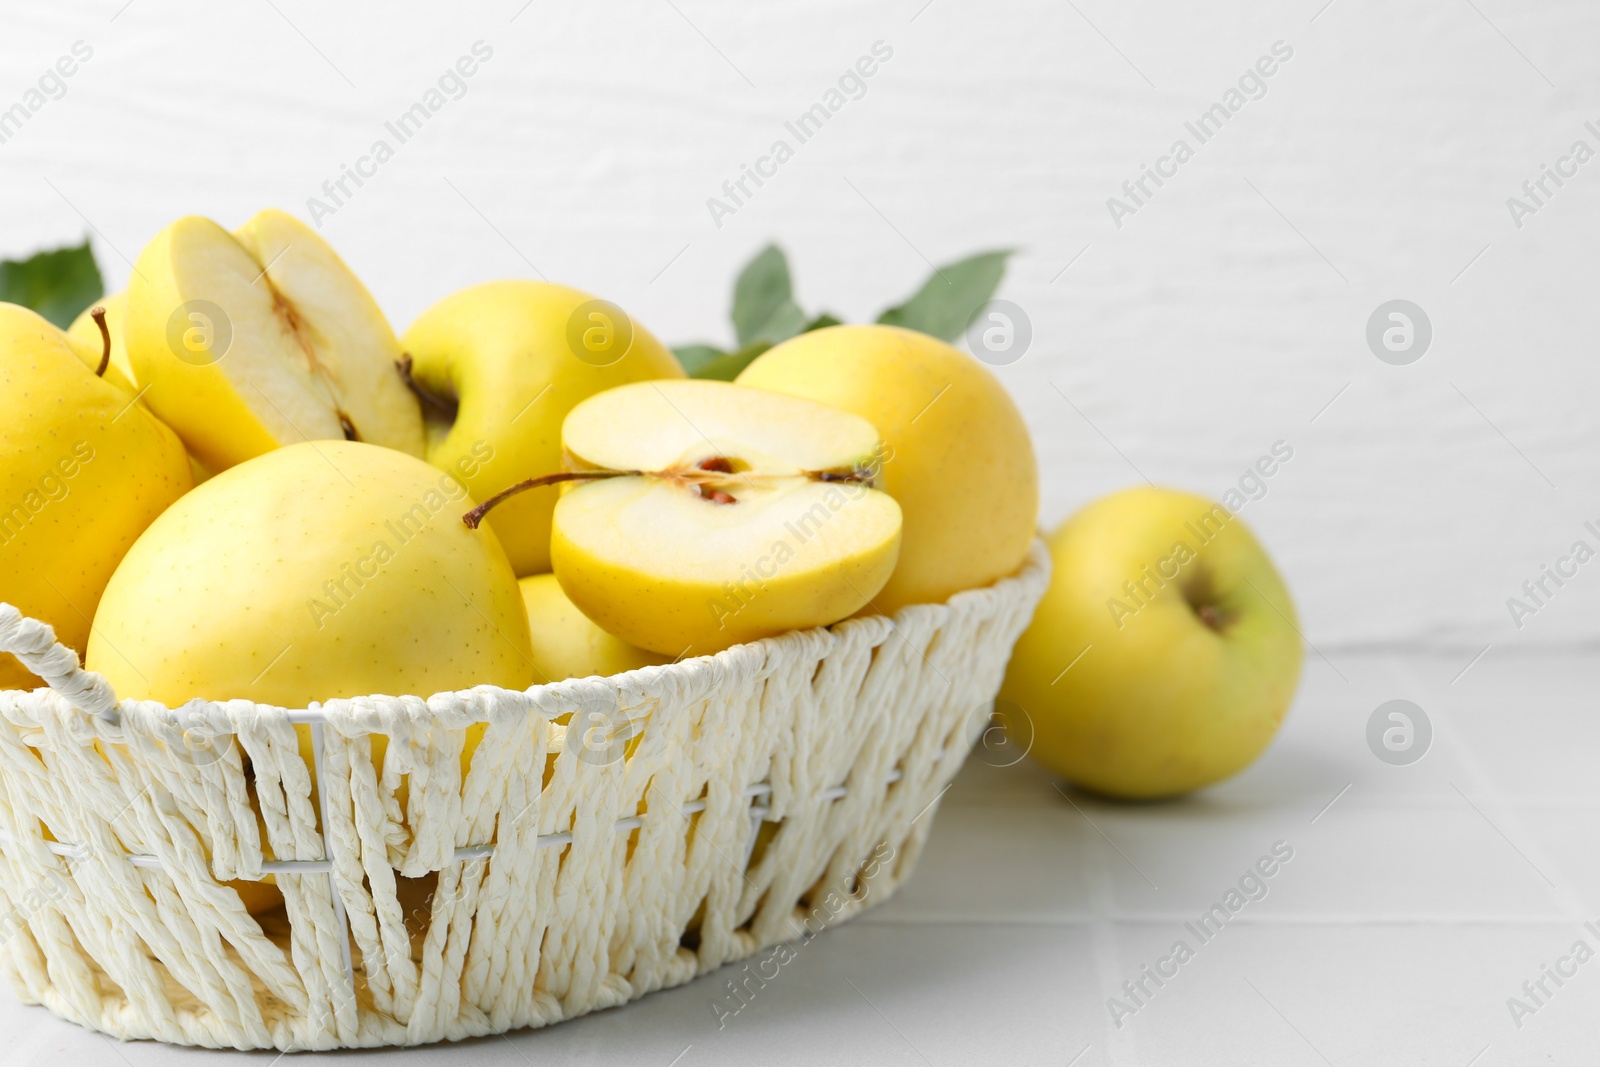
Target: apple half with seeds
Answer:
pixel 244 342
pixel 702 514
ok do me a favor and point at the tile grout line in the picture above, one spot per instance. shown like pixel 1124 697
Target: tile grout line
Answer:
pixel 1506 822
pixel 1121 1047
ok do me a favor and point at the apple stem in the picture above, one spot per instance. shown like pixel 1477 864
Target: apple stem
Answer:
pixel 474 517
pixel 98 314
pixel 403 364
pixel 692 478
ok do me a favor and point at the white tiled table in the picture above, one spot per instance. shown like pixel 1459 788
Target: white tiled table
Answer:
pixel 1413 907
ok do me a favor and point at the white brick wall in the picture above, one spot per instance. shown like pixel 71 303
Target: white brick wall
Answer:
pixel 1221 317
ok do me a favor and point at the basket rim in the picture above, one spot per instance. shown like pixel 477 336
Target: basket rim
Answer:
pixel 34 644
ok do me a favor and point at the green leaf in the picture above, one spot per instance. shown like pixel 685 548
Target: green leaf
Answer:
pixel 693 357
pixel 950 298
pixel 762 294
pixel 727 367
pixel 823 321
pixel 786 321
pixel 58 284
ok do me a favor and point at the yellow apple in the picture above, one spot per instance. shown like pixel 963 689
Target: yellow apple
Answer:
pixel 711 514
pixel 86 331
pixel 248 341
pixel 1165 653
pixel 567 643
pixel 512 358
pixel 84 468
pixel 321 570
pixel 958 457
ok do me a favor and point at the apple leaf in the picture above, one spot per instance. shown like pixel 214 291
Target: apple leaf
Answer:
pixel 763 298
pixel 950 298
pixel 58 284
pixel 693 357
pixel 765 313
pixel 726 368
pixel 786 321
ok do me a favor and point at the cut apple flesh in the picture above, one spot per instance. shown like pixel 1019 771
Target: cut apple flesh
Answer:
pixel 308 356
pixel 346 340
pixel 752 513
pixel 654 425
pixel 664 532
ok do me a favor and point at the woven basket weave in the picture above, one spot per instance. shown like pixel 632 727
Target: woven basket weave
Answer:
pixel 611 836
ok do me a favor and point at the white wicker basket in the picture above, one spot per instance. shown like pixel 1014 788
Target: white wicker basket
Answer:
pixel 717 807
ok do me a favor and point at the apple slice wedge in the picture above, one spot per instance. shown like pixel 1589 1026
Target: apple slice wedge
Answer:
pixel 249 341
pixel 701 514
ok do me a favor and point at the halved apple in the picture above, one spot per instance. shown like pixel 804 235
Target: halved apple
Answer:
pixel 701 514
pixel 252 340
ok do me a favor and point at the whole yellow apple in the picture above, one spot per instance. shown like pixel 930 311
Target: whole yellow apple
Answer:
pixel 1165 653
pixel 567 643
pixel 84 468
pixel 957 454
pixel 324 569
pixel 86 332
pixel 512 358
